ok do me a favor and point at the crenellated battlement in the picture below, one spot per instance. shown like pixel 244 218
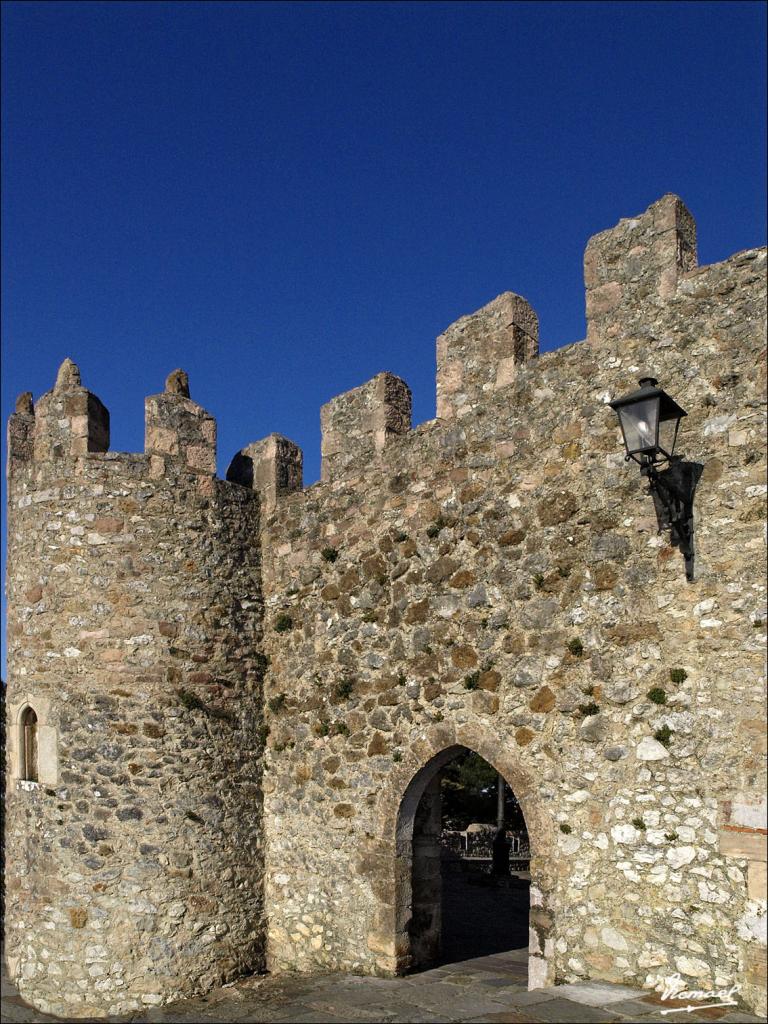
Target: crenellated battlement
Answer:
pixel 70 422
pixel 636 275
pixel 631 272
pixel 21 432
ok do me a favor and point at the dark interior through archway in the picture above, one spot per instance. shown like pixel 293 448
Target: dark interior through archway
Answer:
pixel 470 870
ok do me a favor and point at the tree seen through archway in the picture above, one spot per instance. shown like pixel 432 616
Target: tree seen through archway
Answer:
pixel 469 789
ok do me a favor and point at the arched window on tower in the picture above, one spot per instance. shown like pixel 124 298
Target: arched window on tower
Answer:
pixel 28 760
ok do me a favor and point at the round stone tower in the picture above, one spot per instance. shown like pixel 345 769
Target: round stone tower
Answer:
pixel 134 715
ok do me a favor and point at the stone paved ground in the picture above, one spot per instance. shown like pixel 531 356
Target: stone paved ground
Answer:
pixel 491 990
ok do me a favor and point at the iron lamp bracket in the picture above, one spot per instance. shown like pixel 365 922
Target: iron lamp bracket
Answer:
pixel 673 490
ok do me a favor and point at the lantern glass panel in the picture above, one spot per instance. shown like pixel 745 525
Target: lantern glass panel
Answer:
pixel 668 435
pixel 640 423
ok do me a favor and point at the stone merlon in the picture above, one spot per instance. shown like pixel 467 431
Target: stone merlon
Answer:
pixel 272 467
pixel 637 264
pixel 69 419
pixel 178 429
pixel 481 352
pixel 359 424
pixel 21 428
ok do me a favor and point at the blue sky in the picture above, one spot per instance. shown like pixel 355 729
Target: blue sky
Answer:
pixel 285 199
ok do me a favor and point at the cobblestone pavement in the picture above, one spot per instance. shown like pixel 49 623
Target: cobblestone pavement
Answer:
pixel 490 989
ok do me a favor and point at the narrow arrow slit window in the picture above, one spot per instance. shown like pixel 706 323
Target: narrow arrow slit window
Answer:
pixel 28 760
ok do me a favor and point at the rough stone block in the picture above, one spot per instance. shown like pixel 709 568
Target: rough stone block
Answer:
pixel 749 812
pixel 738 843
pixel 756 880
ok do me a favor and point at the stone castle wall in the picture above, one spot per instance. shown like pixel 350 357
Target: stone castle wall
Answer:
pixel 492 579
pixel 135 865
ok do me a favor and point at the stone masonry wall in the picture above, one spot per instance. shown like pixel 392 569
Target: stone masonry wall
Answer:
pixel 495 579
pixel 135 862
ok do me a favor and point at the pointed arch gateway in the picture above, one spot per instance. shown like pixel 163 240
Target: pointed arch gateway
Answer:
pixel 405 928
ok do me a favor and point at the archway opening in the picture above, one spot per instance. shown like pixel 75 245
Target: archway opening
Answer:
pixel 463 865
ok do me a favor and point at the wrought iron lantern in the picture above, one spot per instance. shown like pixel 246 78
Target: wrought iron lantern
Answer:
pixel 650 420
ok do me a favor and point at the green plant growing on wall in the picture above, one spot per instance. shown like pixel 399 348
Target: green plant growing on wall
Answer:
pixel 222 714
pixel 263 734
pixel 663 735
pixel 589 709
pixel 193 703
pixel 283 623
pixel 657 695
pixel 400 538
pixel 329 554
pixel 575 647
pixel 677 675
pixel 343 689
pixel 472 681
pixel 190 700
pixel 639 824
pixel 340 729
pixel 671 837
pixel 538 580
pixel 369 615
pixel 401 679
pixel 277 703
pixel 322 727
pixel 260 665
pixel 397 756
pixel 565 828
pixel 436 527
